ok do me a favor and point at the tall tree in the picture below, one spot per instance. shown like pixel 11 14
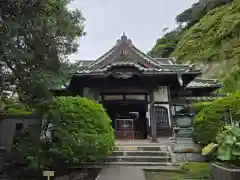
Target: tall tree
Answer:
pixel 198 10
pixel 35 38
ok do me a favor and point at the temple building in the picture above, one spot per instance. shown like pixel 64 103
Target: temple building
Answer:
pixel 142 95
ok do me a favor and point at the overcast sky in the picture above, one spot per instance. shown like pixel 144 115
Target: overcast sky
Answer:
pixel 141 20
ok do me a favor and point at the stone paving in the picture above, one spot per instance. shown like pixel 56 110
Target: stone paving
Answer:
pixel 121 173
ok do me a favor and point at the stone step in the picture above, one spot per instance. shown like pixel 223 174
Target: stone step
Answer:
pixel 141 153
pixel 138 159
pixel 141 148
pixel 144 164
pixel 164 167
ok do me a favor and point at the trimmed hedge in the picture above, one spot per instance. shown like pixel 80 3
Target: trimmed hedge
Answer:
pixel 210 120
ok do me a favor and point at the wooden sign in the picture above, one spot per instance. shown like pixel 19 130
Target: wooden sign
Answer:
pixel 48 174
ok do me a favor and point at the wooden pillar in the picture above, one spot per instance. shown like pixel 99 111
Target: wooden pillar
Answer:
pixel 170 107
pixel 153 118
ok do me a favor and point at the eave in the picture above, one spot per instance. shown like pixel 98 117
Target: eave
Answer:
pixel 200 83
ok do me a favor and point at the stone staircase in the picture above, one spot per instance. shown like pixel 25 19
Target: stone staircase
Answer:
pixel 141 155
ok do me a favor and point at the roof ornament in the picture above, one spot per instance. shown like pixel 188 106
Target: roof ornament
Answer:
pixel 124 40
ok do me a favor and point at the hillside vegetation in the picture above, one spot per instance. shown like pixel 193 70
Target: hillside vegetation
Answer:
pixel 212 41
pixel 214 38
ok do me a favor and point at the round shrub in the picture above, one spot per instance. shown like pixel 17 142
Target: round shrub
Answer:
pixel 80 131
pixel 82 127
pixel 210 120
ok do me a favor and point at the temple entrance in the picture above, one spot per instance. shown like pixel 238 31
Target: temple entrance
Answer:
pixel 124 128
pixel 128 118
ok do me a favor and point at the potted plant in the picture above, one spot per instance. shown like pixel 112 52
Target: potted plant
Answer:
pixel 226 148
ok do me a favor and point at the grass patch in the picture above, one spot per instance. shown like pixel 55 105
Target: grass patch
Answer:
pixel 188 171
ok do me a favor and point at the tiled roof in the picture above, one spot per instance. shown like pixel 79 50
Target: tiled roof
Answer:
pixel 85 64
pixel 143 63
pixel 156 63
pixel 129 64
pixel 198 83
pixel 160 61
pixel 82 63
pixel 201 98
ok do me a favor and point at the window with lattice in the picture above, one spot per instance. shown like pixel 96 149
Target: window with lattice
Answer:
pixel 162 118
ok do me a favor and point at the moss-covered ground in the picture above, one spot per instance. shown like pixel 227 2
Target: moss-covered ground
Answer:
pixel 188 171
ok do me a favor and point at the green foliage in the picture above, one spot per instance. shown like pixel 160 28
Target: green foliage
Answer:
pixel 17 111
pixel 199 10
pixel 81 132
pixel 227 143
pixel 209 149
pixel 16 108
pixel 206 41
pixel 210 120
pixel 35 38
pixel 211 37
pixel 191 170
pixel 166 44
pixel 198 106
pixel 197 167
pixel 231 81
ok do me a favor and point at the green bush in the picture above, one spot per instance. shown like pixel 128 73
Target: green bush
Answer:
pixel 210 120
pixel 226 145
pixel 13 111
pixel 81 132
pixel 198 106
pixel 16 108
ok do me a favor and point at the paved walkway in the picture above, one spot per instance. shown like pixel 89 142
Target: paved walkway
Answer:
pixel 121 173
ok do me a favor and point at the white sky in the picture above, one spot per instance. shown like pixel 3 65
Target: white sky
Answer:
pixel 141 20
